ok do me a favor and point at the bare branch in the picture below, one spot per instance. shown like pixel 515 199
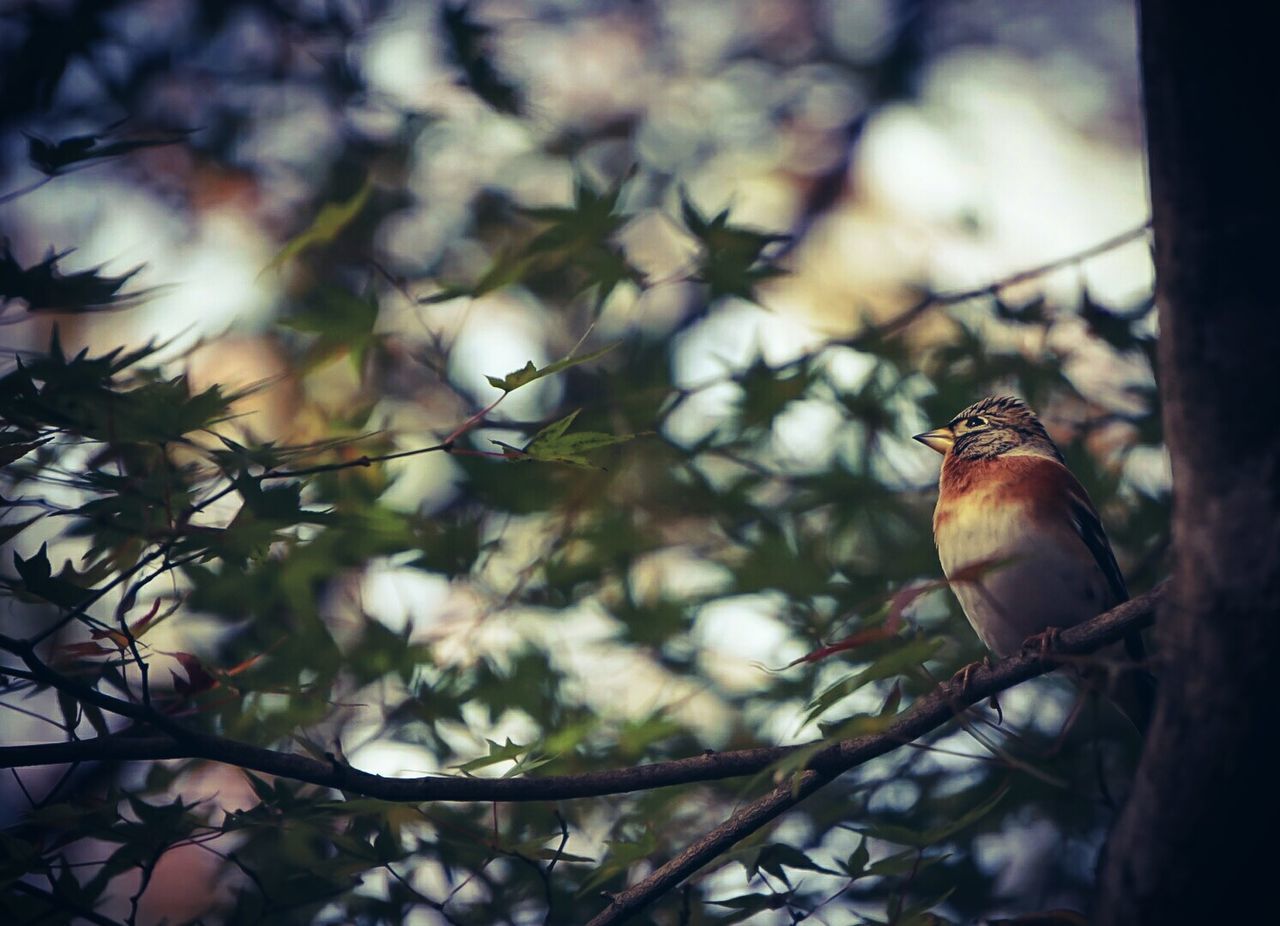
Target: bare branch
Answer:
pixel 930 300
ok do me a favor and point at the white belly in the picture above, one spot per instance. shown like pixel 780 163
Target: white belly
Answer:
pixel 1035 581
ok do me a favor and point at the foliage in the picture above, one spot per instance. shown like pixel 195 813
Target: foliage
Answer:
pixel 171 569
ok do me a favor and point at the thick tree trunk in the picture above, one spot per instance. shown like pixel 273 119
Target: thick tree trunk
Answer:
pixel 1200 822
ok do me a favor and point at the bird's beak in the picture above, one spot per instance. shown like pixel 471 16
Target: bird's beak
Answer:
pixel 939 439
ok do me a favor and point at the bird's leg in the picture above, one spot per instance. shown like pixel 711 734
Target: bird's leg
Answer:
pixel 961 679
pixel 1045 642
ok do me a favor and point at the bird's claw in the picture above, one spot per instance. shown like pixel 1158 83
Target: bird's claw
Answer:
pixel 961 678
pixel 1042 643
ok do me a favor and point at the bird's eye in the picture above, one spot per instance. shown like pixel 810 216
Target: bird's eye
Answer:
pixel 975 422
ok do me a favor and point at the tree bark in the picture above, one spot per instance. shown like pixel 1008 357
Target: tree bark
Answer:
pixel 1199 823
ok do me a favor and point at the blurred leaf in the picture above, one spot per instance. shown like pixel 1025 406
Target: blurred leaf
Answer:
pixel 38 582
pixel 748 905
pixel 343 320
pixel 902 660
pixel 924 838
pixel 9 531
pixel 508 751
pixel 51 157
pixel 329 222
pixel 621 855
pixel 15 451
pixel 775 857
pixel 855 865
pixel 466 45
pixel 507 268
pixel 1043 918
pixel 44 288
pixel 592 219
pixel 767 391
pixel 1031 312
pixel 732 260
pixel 1115 328
pixel 198 678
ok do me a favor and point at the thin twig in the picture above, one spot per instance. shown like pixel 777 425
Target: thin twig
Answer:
pixel 929 300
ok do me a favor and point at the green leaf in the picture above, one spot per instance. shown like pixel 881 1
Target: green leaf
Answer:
pixel 528 373
pixel 51 157
pixel 732 260
pixel 261 787
pixel 622 855
pixel 15 451
pixel 898 662
pixel 920 839
pixel 515 379
pixel 963 822
pixel 917 914
pixel 44 288
pixel 38 580
pixel 775 857
pixel 554 855
pixel 856 864
pixel 507 752
pixel 465 41
pixel 324 228
pixel 591 221
pixel 343 320
pixel 747 906
pixel 753 902
pixel 767 391
pixel 553 445
pixel 9 531
pixel 903 863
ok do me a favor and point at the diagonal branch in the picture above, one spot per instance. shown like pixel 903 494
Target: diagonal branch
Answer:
pixel 930 300
pixel 928 713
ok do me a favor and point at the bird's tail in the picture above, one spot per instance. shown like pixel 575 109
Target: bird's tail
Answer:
pixel 1134 692
pixel 1126 682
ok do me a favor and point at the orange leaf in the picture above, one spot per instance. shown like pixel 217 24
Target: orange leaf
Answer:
pixel 84 649
pixel 901 600
pixel 115 636
pixel 197 679
pixel 141 623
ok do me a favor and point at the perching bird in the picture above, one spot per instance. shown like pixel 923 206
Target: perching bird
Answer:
pixel 1020 540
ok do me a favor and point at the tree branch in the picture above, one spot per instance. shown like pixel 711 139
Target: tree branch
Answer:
pixel 930 300
pixel 928 713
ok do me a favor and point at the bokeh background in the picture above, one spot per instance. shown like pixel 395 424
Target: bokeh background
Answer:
pixel 364 210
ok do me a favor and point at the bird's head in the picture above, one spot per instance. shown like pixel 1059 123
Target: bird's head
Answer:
pixel 996 425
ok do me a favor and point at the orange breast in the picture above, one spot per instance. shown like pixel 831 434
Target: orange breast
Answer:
pixel 1044 487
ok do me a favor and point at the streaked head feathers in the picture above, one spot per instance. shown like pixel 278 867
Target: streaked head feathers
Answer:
pixel 993 426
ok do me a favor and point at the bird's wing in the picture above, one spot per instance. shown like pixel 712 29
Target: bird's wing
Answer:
pixel 1089 526
pixel 1135 691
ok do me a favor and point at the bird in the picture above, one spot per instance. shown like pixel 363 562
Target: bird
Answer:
pixel 1020 541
